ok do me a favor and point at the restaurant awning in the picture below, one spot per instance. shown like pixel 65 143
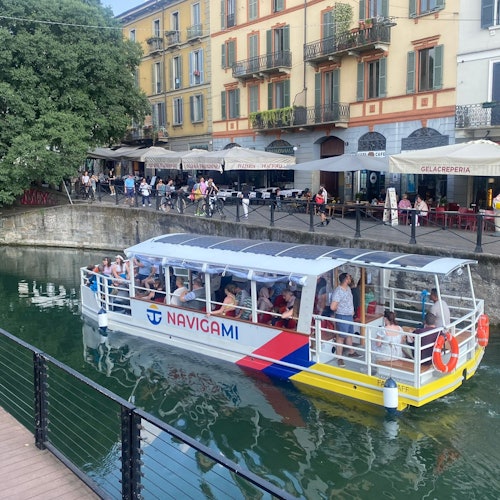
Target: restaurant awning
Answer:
pixel 345 163
pixel 479 158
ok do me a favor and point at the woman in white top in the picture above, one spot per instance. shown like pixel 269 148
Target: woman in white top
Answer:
pixel 179 291
pixel 390 339
pixel 422 209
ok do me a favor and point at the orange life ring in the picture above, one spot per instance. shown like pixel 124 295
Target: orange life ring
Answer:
pixel 437 354
pixel 483 330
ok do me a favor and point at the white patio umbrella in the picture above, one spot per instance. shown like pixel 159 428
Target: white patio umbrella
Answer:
pixel 236 158
pixel 481 158
pixel 161 158
pixel 345 163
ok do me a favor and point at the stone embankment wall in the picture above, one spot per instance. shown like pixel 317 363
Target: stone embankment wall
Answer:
pixel 115 228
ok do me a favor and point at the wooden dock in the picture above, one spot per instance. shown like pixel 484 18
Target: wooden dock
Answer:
pixel 27 472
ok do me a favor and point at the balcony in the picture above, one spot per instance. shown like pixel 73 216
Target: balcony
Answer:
pixel 155 44
pixel 300 117
pixel 477 116
pixel 195 32
pixel 261 66
pixel 173 39
pixel 353 43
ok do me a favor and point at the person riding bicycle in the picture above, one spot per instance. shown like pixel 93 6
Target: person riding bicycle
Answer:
pixel 211 197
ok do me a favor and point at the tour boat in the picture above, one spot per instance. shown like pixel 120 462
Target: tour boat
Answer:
pixel 307 347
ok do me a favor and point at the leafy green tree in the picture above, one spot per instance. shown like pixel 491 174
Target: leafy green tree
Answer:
pixel 67 84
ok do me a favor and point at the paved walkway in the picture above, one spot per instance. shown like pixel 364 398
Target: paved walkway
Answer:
pixel 27 472
pixel 372 230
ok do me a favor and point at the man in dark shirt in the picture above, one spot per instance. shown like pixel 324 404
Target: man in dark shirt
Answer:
pixel 425 353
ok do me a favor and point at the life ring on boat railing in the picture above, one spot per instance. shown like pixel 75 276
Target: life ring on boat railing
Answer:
pixel 483 330
pixel 437 354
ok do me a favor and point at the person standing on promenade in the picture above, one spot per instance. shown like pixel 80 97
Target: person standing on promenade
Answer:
pixel 343 306
pixel 129 185
pixel 245 200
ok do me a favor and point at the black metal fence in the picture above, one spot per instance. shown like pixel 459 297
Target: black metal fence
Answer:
pixel 118 450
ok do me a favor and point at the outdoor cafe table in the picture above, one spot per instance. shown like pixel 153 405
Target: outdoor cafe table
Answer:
pixel 344 208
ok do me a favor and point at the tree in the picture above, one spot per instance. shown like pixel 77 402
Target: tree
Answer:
pixel 67 84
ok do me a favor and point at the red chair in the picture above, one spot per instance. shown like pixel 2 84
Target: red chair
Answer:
pixel 439 216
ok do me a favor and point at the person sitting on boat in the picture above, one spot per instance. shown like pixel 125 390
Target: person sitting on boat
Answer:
pixel 426 340
pixel 119 270
pixel 228 306
pixel 157 294
pixel 179 291
pixel 106 267
pixel 290 315
pixel 242 297
pixel 264 305
pixel 142 270
pixel 196 298
pixel 390 339
pixel 441 319
pixel 343 306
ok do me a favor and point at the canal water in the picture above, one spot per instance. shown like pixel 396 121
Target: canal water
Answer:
pixel 311 444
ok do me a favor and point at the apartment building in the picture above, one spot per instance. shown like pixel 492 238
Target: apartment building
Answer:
pixel 478 91
pixel 174 72
pixel 312 78
pixel 320 78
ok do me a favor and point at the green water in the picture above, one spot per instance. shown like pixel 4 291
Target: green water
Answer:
pixel 311 444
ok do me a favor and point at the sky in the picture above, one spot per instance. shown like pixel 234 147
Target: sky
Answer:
pixel 120 6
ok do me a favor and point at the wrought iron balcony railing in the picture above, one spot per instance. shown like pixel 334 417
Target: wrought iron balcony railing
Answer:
pixel 297 116
pixel 362 39
pixel 173 38
pixel 155 44
pixel 195 31
pixel 485 114
pixel 274 62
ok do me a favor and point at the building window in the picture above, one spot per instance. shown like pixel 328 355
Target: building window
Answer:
pixel 278 5
pixel 253 98
pixel 228 54
pixel 156 28
pixel 372 80
pixel 157 78
pixel 228 14
pixel 230 104
pixel 131 35
pixel 253 10
pixel 490 13
pixel 178 112
pixel 425 70
pixel 158 115
pixel 176 73
pixel 423 7
pixel 196 105
pixel 196 67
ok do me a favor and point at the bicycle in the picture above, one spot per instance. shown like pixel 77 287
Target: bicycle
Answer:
pixel 171 201
pixel 213 205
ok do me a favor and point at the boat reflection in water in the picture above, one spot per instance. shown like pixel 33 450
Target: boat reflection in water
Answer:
pixel 311 444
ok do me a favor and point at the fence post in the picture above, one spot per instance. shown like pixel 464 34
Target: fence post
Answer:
pixel 41 408
pixel 413 239
pixel 238 203
pixel 131 454
pixel 272 205
pixel 99 192
pixel 357 234
pixel 479 234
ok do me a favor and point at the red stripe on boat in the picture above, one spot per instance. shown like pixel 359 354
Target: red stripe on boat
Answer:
pixel 278 348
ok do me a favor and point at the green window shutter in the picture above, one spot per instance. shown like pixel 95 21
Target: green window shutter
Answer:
pixel 223 56
pixel 286 37
pixel 223 14
pixel 237 103
pixel 382 77
pixel 269 41
pixel 230 53
pixel 191 108
pixel 336 85
pixel 362 9
pixel 317 90
pixel 327 24
pixel 438 67
pixel 202 107
pixel 286 91
pixel 162 76
pixel 270 100
pixel 487 13
pixel 153 79
pixel 413 8
pixel 385 8
pixel 223 105
pixel 410 73
pixel 360 87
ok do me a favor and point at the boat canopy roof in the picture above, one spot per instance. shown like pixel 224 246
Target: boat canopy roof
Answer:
pixel 268 261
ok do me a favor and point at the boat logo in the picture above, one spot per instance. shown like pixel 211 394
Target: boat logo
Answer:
pixel 154 315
